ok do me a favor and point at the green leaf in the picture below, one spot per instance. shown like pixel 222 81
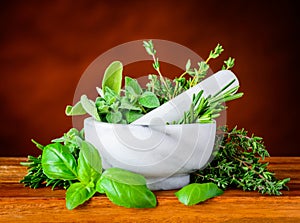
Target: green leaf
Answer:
pixel 113 77
pixel 77 194
pixel 114 117
pixel 77 109
pixel 132 87
pixel 86 173
pixel 195 193
pixel 126 104
pixel 188 65
pixel 91 155
pixel 90 107
pixel 101 105
pixel 58 162
pixel 149 100
pixel 126 189
pixel 131 116
pixel 124 176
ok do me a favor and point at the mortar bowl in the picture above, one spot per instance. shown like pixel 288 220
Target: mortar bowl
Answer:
pixel 164 154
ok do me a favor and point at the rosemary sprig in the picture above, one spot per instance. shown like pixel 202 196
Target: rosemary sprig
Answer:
pixel 204 110
pixel 237 164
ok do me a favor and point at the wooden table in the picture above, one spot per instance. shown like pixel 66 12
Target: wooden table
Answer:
pixel 21 204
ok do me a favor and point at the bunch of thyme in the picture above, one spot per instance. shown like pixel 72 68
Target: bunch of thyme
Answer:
pixel 237 164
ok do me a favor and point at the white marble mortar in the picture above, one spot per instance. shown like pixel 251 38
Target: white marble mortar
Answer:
pixel 164 154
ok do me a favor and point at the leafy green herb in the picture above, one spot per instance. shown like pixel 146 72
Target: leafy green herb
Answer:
pixel 237 164
pixel 228 64
pixel 78 193
pixel 58 162
pixel 113 77
pixel 126 189
pixel 195 193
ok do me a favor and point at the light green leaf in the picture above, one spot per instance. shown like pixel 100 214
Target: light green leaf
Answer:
pixel 132 86
pixel 91 155
pixel 113 77
pixel 125 104
pixel 58 162
pixel 195 193
pixel 125 189
pixel 188 65
pixel 90 107
pixel 86 173
pixel 77 109
pixel 114 117
pixel 131 116
pixel 124 176
pixel 77 194
pixel 149 100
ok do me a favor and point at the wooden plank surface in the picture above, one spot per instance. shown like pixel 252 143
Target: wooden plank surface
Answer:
pixel 21 204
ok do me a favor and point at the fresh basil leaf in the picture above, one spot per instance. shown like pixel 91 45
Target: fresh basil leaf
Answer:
pixel 131 116
pixel 77 194
pixel 91 156
pixel 114 117
pixel 195 193
pixel 77 109
pixel 58 162
pixel 149 100
pixel 90 107
pixel 85 172
pixel 126 189
pixel 113 77
pixel 124 176
pixel 132 87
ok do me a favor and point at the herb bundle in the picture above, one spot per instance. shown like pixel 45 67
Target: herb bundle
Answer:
pixel 75 165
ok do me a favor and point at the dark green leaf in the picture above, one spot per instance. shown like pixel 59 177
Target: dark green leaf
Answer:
pixel 195 193
pixel 58 162
pixel 77 194
pixel 113 77
pixel 149 100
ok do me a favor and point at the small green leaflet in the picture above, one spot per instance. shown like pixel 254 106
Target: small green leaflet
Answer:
pixel 113 77
pixel 126 189
pixel 58 162
pixel 149 100
pixel 78 193
pixel 90 107
pixel 195 193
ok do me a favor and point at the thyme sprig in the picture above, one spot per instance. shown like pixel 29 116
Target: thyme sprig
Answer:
pixel 238 164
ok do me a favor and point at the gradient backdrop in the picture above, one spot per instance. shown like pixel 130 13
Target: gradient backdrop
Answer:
pixel 47 45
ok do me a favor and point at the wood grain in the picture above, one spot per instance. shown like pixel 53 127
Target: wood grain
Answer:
pixel 21 204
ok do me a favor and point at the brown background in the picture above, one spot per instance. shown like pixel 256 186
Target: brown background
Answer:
pixel 46 46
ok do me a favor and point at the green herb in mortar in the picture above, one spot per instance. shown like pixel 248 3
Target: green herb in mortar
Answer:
pixel 74 164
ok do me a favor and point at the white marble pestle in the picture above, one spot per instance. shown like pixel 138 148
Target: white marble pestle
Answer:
pixel 174 109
